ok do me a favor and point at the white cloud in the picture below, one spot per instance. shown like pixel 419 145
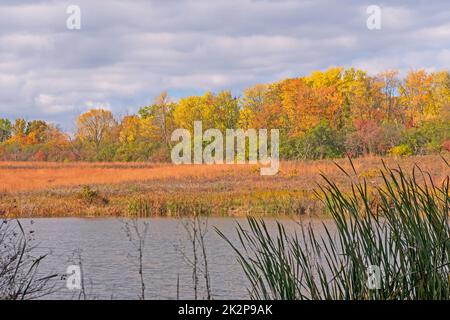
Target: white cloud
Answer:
pixel 399 18
pixel 129 51
pixel 97 104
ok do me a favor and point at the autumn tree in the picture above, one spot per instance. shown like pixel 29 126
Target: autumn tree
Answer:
pixel 390 84
pixel 36 131
pixel 219 111
pixel 57 144
pixel 270 114
pixel 157 119
pixel 134 143
pixel 129 129
pixel 251 104
pixel 440 95
pixel 34 140
pixel 306 103
pixel 324 114
pixel 365 138
pixel 224 111
pixel 19 128
pixel 367 100
pixel 416 95
pixel 95 127
pixel 190 109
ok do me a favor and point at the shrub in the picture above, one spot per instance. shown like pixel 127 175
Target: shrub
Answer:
pixel 364 138
pixel 401 150
pixel 446 145
pixel 40 156
pixel 318 143
pixel 88 195
pixel 429 137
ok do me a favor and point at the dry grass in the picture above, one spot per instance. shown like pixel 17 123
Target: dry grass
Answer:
pixel 56 189
pixel 24 176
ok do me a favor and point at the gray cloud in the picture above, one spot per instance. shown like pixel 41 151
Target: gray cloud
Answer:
pixel 129 51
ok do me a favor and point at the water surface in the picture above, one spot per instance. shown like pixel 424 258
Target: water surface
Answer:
pixel 110 264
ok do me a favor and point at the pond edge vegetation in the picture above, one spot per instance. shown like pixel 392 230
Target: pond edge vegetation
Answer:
pixel 403 228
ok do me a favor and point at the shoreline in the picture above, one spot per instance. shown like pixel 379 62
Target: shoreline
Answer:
pixel 283 218
pixel 178 191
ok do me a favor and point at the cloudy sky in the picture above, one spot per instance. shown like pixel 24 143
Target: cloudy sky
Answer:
pixel 126 52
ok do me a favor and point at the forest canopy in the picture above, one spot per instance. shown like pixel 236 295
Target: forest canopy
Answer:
pixel 327 114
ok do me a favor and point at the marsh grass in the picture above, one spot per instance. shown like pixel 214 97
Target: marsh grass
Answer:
pixel 147 190
pixel 402 227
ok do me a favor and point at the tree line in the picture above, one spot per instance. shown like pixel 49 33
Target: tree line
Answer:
pixel 327 114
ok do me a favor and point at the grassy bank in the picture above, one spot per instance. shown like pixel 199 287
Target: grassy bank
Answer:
pixel 138 189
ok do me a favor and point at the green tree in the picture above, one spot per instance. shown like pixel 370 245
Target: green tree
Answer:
pixel 36 131
pixel 5 129
pixel 320 142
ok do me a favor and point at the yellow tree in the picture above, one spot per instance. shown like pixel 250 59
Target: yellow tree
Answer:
pixel 298 106
pixel 328 78
pixel 219 111
pixel 252 103
pixel 129 129
pixel 157 119
pixel 389 85
pixel 96 126
pixel 18 132
pixel 328 90
pixel 440 94
pixel 223 113
pixel 37 132
pixel 194 108
pixel 416 95
pixel 366 99
pixel 306 105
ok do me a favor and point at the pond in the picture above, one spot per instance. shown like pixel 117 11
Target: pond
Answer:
pixel 110 263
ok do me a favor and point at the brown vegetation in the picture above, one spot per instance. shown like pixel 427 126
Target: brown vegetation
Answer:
pixel 119 189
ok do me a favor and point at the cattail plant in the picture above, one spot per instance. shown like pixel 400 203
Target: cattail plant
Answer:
pixel 400 228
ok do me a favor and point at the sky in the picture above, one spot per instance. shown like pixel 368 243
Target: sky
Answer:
pixel 128 51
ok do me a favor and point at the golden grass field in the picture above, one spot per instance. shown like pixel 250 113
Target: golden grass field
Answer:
pixel 39 189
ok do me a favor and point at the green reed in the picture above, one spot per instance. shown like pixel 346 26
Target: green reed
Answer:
pixel 401 227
